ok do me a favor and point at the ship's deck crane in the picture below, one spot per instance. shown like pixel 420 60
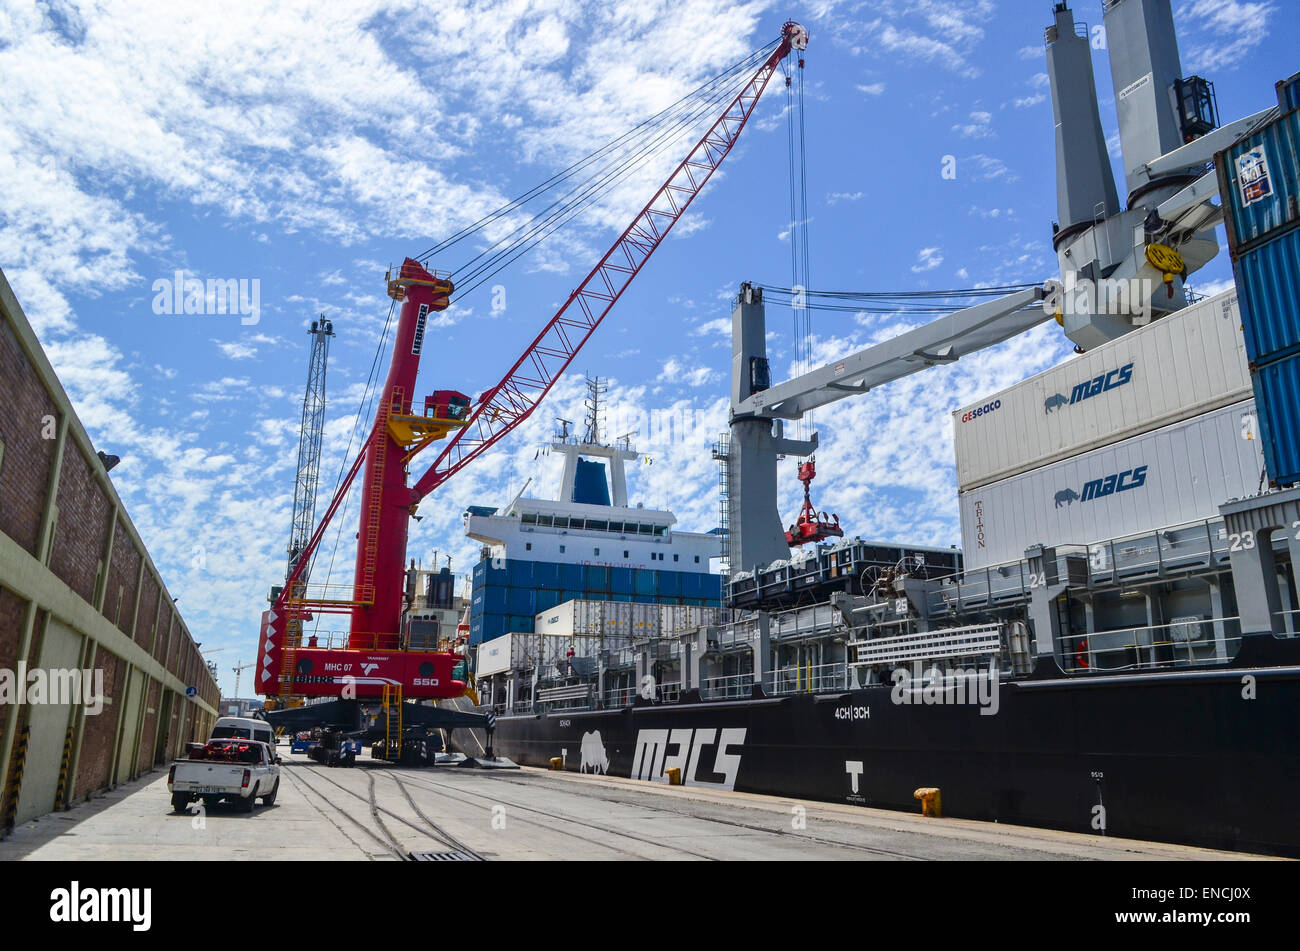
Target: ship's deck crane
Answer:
pixel 373 664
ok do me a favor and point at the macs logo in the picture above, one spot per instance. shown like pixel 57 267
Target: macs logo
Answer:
pixel 1100 488
pixel 1090 388
pixel 652 758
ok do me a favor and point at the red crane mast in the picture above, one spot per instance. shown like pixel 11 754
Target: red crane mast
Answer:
pixel 373 661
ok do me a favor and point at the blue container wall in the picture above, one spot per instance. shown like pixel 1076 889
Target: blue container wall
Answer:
pixel 1288 94
pixel 1268 286
pixel 622 581
pixel 1277 401
pixel 1249 224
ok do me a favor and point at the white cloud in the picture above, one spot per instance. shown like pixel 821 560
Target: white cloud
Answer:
pixel 236 350
pixel 836 197
pixel 927 259
pixel 675 371
pixel 1224 32
pixel 871 89
pixel 979 126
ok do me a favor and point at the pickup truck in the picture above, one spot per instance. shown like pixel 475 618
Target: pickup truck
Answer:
pixel 238 770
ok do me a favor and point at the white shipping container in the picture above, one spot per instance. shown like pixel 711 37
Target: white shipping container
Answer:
pixel 608 618
pixel 1169 477
pixel 493 656
pixel 678 618
pixel 571 618
pixel 1175 368
pixel 522 650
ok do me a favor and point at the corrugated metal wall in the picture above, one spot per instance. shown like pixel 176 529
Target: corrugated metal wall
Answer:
pixel 1188 363
pixel 1172 476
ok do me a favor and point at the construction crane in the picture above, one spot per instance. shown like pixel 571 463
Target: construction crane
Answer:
pixel 308 473
pixel 309 444
pixel 374 663
pixel 239 669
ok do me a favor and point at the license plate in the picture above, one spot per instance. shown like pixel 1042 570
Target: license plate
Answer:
pixel 209 789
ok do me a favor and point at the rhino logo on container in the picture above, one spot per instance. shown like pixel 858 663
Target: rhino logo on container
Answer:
pixel 1055 402
pixel 1066 497
pixel 593 755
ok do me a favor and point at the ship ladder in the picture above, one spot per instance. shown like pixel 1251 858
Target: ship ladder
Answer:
pixel 392 701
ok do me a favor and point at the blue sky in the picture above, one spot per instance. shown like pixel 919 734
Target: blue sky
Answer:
pixel 308 145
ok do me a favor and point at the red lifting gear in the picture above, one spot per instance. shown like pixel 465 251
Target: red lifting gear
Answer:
pixel 811 527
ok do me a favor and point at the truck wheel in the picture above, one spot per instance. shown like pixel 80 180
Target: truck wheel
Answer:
pixel 179 802
pixel 245 804
pixel 269 798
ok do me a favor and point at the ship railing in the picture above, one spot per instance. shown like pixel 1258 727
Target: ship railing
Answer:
pixel 618 698
pixel 1289 625
pixel 820 678
pixel 1176 549
pixel 1190 641
pixel 732 687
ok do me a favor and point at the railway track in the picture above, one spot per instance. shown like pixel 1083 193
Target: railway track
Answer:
pixel 450 846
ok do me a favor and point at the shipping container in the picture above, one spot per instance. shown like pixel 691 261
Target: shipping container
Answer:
pixel 676 619
pixel 494 656
pixel 1173 476
pixel 572 618
pixel 1288 93
pixel 1268 280
pixel 1277 394
pixel 1258 184
pixel 1175 368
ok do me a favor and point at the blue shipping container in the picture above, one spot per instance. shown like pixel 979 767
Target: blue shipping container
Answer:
pixel 548 598
pixel 522 601
pixel 597 578
pixel 1258 184
pixel 670 584
pixel 1277 400
pixel 494 600
pixel 1288 93
pixel 521 573
pixel 572 577
pixel 546 574
pixel 521 625
pixel 647 581
pixel 622 580
pixel 1268 291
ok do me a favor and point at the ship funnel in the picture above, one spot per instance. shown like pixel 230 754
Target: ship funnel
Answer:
pixel 1085 185
pixel 1144 68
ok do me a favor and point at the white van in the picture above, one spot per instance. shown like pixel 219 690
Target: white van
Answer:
pixel 243 728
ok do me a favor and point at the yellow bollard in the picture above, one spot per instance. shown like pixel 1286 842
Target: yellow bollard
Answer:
pixel 557 763
pixel 931 803
pixel 674 774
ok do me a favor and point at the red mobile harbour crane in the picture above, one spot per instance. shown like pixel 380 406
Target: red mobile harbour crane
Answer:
pixel 379 663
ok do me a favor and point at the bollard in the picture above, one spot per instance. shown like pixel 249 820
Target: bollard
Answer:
pixel 674 774
pixel 931 804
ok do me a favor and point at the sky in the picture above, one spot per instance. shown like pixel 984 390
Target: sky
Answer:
pixel 307 146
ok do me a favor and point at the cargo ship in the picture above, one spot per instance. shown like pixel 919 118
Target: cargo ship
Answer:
pixel 1114 649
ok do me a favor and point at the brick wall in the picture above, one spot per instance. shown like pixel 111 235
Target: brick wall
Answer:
pixel 81 532
pixel 144 758
pixel 123 573
pixel 100 730
pixel 28 456
pixel 144 624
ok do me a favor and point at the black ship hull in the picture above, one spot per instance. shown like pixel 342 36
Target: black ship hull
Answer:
pixel 1206 757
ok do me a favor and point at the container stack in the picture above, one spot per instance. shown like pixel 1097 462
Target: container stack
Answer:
pixel 508 594
pixel 1261 201
pixel 1151 430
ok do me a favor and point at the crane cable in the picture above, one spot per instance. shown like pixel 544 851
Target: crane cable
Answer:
pixel 566 173
pixel 606 166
